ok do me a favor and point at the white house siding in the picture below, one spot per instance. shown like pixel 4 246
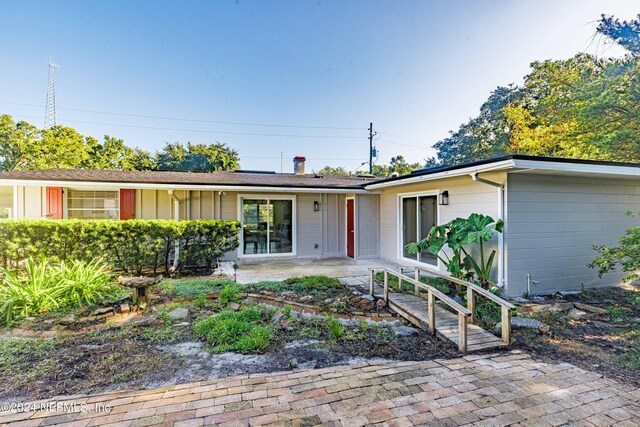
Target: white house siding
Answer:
pixel 157 204
pixel 553 223
pixel 334 217
pixel 31 202
pixel 367 210
pixel 465 197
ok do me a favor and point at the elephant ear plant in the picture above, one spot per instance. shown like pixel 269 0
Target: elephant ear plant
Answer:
pixel 460 236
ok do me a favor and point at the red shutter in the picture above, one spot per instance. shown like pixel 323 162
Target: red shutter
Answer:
pixel 127 203
pixel 54 202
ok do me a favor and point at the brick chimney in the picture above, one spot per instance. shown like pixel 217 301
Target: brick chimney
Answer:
pixel 298 165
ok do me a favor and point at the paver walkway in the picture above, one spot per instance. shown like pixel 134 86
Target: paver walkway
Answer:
pixel 498 390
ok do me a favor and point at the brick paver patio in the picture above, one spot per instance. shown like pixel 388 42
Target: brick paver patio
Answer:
pixel 499 390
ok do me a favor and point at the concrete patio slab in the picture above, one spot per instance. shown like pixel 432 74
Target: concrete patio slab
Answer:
pixel 251 272
pixel 498 390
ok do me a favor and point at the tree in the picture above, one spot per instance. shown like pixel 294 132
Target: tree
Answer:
pixel 481 137
pixel 197 157
pixel 625 33
pixel 581 107
pixel 24 146
pixel 397 164
pixel 328 170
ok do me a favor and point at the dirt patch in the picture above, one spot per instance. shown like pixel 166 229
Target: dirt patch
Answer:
pixel 158 351
pixel 606 341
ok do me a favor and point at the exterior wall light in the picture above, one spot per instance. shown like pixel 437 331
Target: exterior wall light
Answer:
pixel 316 206
pixel 443 198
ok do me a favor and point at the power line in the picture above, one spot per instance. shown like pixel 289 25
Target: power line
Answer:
pixel 209 131
pixel 188 120
pixel 406 145
pixel 402 137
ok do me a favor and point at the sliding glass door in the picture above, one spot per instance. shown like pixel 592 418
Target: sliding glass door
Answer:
pixel 267 226
pixel 418 215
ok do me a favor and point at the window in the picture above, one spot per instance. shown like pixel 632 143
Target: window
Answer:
pixel 90 204
pixel 418 214
pixel 267 226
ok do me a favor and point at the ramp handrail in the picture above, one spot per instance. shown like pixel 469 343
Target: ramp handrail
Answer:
pixel 472 289
pixel 432 294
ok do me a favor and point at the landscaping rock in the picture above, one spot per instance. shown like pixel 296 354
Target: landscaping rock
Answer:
pixel 181 324
pixel 102 311
pixel 139 282
pixel 576 314
pixel 179 313
pixel 524 323
pixel 293 363
pixel 367 296
pixel 124 308
pixel 306 298
pixel 555 307
pixel 68 319
pixel 278 315
pixel 234 306
pixel 405 331
pixel 380 304
pixel 591 308
pixel 362 303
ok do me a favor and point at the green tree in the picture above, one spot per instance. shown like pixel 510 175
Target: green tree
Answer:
pixel 328 170
pixel 581 107
pixel 197 157
pixel 625 33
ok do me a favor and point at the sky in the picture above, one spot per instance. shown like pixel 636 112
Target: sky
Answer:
pixel 276 79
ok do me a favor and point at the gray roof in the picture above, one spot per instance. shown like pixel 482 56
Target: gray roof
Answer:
pixel 222 178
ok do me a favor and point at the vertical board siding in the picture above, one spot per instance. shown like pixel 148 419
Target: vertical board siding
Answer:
pixel 309 226
pixel 367 226
pixel 553 223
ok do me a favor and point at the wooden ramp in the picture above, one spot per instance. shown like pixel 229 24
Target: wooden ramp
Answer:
pixel 455 323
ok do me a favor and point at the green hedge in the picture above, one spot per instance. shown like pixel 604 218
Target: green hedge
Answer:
pixel 135 246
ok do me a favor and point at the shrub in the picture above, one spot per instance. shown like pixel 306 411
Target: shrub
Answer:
pixel 42 287
pixel 133 246
pixel 239 331
pixel 230 293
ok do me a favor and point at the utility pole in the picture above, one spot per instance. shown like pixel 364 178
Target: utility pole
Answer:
pixel 50 110
pixel 372 151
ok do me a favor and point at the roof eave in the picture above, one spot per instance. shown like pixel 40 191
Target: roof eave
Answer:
pixel 489 167
pixel 194 187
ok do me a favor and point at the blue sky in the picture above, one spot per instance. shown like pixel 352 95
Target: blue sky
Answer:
pixel 417 69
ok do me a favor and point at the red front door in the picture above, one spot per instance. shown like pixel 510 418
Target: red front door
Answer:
pixel 127 203
pixel 350 228
pixel 54 202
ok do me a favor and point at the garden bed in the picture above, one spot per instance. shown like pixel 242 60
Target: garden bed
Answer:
pixel 178 338
pixel 598 330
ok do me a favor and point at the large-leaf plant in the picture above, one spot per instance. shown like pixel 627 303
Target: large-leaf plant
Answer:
pixel 459 236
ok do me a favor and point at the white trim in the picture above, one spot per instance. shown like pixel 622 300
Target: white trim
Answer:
pixel 196 187
pixel 15 202
pixel 505 164
pixel 399 236
pixel 577 167
pixel 294 225
pixel 346 226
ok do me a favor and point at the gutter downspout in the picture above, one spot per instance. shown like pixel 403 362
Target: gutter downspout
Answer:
pixel 500 187
pixel 176 216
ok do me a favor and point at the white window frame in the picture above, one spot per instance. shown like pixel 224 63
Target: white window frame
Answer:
pixel 65 202
pixel 401 196
pixel 294 225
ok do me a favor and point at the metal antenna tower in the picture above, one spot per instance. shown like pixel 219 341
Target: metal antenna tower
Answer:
pixel 50 110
